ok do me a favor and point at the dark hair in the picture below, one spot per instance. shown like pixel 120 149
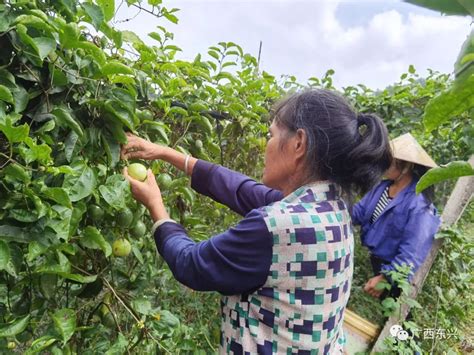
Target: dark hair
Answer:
pixel 349 149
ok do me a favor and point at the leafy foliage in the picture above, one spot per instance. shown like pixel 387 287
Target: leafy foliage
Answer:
pixel 68 94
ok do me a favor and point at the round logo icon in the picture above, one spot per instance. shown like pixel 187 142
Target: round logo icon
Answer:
pixel 402 335
pixel 394 329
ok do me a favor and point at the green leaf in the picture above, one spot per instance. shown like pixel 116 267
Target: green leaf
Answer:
pixel 214 54
pixel 119 347
pixel 94 51
pixel 204 123
pixel 142 306
pixel 13 234
pixel 4 255
pixel 82 184
pixel 113 34
pixel 21 98
pixel 76 277
pixel 95 13
pixel 40 344
pixel 454 101
pixel 76 216
pixel 108 8
pixel 448 7
pixel 156 36
pixel 160 128
pixel 168 319
pixel 48 284
pixel 466 55
pixel 452 170
pixel 115 191
pixel 187 194
pixel 131 37
pixel 35 249
pixel 114 67
pixel 63 271
pixel 4 23
pixel 64 118
pixel 17 172
pixel 58 77
pixel 117 110
pixel 65 323
pixel 14 134
pixel 57 194
pixel 39 152
pixel 37 22
pixel 44 46
pixel 170 17
pixel 6 95
pixel 23 215
pixel 70 145
pixel 112 149
pixel 69 35
pixel 178 111
pixel 116 129
pixel 60 223
pixel 93 239
pixel 13 328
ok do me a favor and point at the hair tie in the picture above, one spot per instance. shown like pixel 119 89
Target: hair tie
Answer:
pixel 362 124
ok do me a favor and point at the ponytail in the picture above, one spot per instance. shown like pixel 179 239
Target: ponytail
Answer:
pixel 370 156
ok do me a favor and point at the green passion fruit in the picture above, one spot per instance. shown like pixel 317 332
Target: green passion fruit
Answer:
pixel 138 230
pixel 125 218
pixel 121 247
pixel 95 213
pixel 137 171
pixel 164 180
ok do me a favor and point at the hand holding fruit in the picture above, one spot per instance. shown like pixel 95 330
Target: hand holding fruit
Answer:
pixel 148 193
pixel 139 148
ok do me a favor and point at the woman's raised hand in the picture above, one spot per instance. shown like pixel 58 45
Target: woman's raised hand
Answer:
pixel 139 148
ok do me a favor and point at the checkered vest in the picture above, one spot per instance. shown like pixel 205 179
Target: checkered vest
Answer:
pixel 300 308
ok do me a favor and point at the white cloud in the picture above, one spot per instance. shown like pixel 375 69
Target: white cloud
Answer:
pixel 305 38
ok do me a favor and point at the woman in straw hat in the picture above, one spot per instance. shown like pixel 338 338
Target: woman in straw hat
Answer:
pixel 397 225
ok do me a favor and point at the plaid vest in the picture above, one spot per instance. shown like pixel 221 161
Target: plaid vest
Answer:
pixel 300 308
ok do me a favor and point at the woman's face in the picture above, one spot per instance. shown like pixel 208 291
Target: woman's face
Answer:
pixel 278 162
pixel 393 171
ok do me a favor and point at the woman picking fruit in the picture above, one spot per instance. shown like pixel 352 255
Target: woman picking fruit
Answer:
pixel 397 225
pixel 285 269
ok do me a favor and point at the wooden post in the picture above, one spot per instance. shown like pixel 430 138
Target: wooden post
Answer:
pixel 457 202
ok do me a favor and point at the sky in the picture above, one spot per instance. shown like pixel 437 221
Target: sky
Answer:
pixel 370 42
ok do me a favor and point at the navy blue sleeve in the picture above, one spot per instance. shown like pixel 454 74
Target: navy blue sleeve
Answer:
pixel 234 262
pixel 358 211
pixel 237 191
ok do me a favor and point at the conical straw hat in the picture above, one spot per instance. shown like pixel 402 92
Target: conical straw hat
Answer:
pixel 407 148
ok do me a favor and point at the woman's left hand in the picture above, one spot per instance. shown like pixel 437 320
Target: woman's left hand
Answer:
pixel 370 286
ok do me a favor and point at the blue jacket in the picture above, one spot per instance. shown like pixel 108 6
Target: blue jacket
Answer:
pixel 403 233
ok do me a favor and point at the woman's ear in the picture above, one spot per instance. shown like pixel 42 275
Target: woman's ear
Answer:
pixel 301 142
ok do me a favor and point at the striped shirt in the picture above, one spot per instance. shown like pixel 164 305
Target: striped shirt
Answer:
pixel 381 205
